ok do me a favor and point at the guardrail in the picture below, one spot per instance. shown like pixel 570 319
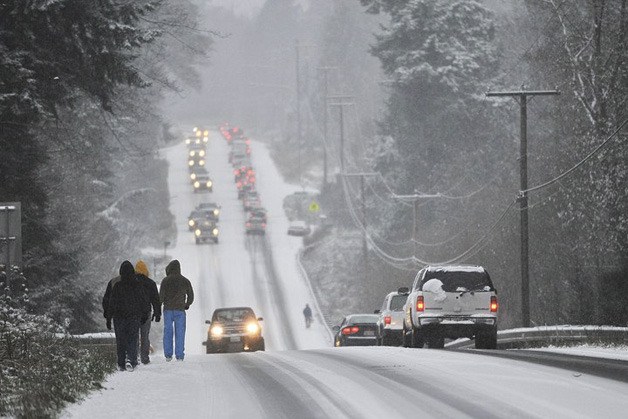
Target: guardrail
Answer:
pixel 559 335
pixel 317 308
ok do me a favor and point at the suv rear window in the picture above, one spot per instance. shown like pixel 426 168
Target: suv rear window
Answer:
pixel 397 302
pixel 456 280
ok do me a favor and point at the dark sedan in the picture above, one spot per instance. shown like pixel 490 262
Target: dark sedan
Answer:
pixel 359 330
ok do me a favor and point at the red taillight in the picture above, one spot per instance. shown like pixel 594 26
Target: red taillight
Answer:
pixel 236 172
pixel 420 305
pixel 350 330
pixel 494 305
pixel 248 224
pixel 239 185
pixel 387 319
pixel 263 225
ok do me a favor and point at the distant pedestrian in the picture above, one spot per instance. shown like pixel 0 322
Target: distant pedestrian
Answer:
pixel 176 294
pixel 307 313
pixel 150 291
pixel 129 308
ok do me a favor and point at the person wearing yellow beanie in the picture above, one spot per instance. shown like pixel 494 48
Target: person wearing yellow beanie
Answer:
pixel 150 289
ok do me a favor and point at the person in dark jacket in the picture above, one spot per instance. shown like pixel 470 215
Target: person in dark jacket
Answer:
pixel 176 294
pixel 128 307
pixel 150 290
pixel 106 298
pixel 307 313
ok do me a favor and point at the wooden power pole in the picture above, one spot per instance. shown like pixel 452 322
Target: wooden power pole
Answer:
pixel 521 96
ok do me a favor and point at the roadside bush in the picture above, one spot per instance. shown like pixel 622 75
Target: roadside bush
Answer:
pixel 41 367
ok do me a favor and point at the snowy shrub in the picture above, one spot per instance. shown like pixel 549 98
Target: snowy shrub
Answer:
pixel 41 367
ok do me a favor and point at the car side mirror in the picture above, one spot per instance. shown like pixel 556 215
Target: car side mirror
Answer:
pixel 259 319
pixel 335 328
pixel 376 312
pixel 208 322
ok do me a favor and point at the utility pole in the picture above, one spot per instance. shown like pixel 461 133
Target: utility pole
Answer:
pixel 341 106
pixel 363 220
pixel 296 48
pixel 325 71
pixel 521 96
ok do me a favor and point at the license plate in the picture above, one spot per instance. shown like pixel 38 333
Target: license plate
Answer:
pixel 369 333
pixel 234 339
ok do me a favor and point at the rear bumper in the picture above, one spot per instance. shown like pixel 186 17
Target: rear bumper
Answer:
pixel 234 343
pixel 453 328
pixel 359 341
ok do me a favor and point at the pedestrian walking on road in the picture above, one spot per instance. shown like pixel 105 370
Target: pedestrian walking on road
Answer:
pixel 307 313
pixel 150 290
pixel 129 308
pixel 176 294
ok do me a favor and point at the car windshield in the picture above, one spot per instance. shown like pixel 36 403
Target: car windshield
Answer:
pixel 364 318
pixel 233 315
pixel 397 302
pixel 461 281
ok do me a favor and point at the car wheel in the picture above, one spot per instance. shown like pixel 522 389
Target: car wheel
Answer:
pixel 261 345
pixel 197 241
pixel 405 341
pixel 486 340
pixel 416 338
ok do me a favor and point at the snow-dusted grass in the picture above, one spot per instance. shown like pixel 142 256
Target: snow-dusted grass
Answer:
pixel 40 371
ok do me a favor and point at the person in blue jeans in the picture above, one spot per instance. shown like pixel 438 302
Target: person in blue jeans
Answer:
pixel 176 295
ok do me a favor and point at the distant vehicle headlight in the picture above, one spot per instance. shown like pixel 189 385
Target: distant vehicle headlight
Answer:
pixel 252 328
pixel 215 232
pixel 205 139
pixel 216 331
pixel 191 223
pixel 193 176
pixel 188 141
pixel 201 153
pixel 209 183
pixel 197 184
pixel 192 153
pixel 216 212
pixel 206 133
pixel 197 232
pixel 198 133
pixel 201 162
pixel 190 163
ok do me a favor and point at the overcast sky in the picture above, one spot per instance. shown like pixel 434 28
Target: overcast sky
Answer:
pixel 245 7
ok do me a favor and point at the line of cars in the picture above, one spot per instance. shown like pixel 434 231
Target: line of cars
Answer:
pixel 445 302
pixel 245 179
pixel 238 329
pixel 203 220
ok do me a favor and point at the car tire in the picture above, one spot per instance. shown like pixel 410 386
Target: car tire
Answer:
pixel 416 338
pixel 261 346
pixel 216 240
pixel 198 241
pixel 486 340
pixel 405 341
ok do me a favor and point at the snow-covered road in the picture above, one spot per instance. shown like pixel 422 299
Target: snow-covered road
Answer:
pixel 301 375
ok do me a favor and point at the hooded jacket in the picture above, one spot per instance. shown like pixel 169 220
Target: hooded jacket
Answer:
pixel 127 296
pixel 149 287
pixel 107 296
pixel 176 291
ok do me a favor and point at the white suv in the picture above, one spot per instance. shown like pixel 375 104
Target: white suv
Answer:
pixel 391 316
pixel 451 302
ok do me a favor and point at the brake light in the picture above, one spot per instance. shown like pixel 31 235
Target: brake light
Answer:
pixel 387 319
pixel 350 330
pixel 263 225
pixel 248 224
pixel 420 304
pixel 494 305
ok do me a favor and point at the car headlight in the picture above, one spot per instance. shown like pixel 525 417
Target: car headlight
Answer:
pixel 197 232
pixel 197 184
pixel 201 153
pixel 201 162
pixel 215 232
pixel 216 331
pixel 192 153
pixel 209 183
pixel 188 141
pixel 191 163
pixel 191 223
pixel 206 133
pixel 198 133
pixel 216 212
pixel 205 139
pixel 252 328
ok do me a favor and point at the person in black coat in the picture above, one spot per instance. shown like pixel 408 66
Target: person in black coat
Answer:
pixel 128 307
pixel 150 290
